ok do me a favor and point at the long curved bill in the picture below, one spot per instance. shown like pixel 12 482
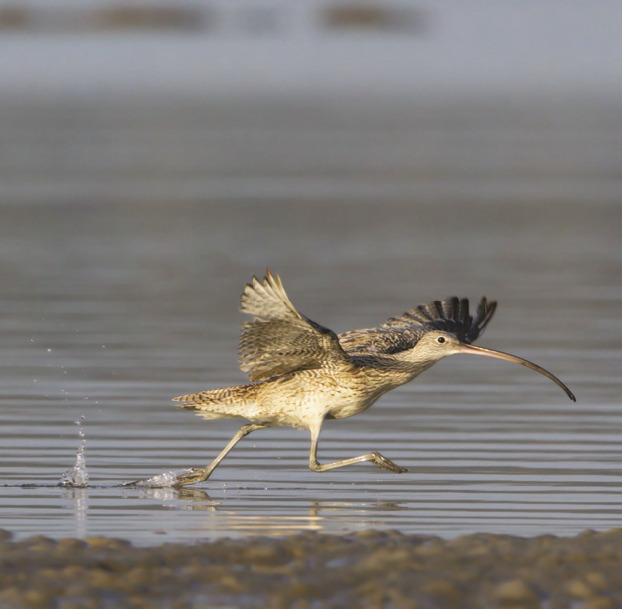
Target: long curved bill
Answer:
pixel 472 349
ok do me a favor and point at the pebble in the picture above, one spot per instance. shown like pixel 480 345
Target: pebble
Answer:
pixel 600 603
pixel 371 568
pixel 579 589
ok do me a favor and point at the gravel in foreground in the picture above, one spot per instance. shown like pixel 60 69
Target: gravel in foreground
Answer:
pixel 368 569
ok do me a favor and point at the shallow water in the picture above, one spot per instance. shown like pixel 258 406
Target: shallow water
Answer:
pixel 114 303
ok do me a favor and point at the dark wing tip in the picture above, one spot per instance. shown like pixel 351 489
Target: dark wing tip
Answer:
pixel 404 331
pixel 449 315
pixel 483 314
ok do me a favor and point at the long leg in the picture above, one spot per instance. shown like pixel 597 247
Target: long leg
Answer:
pixel 374 457
pixel 199 474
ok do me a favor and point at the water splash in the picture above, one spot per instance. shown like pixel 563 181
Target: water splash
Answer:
pixel 78 475
pixel 163 480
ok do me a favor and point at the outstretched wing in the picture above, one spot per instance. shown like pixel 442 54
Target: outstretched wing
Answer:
pixel 404 331
pixel 279 339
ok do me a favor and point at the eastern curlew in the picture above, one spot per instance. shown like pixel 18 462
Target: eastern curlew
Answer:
pixel 303 373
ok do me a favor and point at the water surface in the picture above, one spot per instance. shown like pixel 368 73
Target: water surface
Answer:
pixel 115 302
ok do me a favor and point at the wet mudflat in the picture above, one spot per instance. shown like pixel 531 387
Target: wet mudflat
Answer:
pixel 120 280
pixel 366 569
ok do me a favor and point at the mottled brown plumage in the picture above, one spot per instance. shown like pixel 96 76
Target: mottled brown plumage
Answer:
pixel 404 331
pixel 280 340
pixel 303 373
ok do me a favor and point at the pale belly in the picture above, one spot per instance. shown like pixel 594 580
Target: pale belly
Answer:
pixel 307 398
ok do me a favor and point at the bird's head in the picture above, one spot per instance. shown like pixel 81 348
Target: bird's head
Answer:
pixel 437 344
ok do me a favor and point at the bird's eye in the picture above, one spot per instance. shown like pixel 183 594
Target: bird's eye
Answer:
pixel 440 339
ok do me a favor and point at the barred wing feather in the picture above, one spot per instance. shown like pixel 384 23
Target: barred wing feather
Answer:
pixel 279 339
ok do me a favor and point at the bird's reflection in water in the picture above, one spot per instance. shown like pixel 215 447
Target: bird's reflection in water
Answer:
pixel 249 518
pixel 335 506
pixel 192 499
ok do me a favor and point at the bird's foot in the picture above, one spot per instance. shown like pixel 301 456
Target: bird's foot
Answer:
pixel 171 479
pixel 192 476
pixel 381 461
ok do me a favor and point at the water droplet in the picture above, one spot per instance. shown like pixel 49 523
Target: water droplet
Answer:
pixel 78 475
pixel 161 480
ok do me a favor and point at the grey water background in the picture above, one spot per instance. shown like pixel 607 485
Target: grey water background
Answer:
pixel 130 224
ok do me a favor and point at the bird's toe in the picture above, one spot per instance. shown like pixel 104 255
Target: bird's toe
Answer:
pixel 195 475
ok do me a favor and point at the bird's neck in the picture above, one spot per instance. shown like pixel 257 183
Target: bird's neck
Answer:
pixel 391 370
